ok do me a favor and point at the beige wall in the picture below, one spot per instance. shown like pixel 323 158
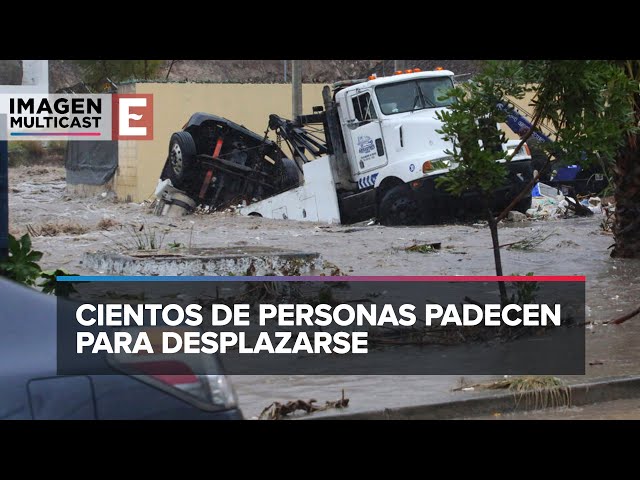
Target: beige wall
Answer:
pixel 140 162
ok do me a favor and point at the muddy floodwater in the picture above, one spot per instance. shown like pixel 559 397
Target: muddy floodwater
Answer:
pixel 575 246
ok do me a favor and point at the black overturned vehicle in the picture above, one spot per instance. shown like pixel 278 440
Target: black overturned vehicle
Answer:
pixel 218 163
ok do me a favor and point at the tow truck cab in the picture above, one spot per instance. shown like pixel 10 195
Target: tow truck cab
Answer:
pixel 389 126
pixel 389 129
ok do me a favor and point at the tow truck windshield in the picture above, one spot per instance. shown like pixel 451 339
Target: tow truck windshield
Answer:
pixel 414 95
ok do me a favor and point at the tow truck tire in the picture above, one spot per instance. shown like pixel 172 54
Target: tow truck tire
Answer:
pixel 523 205
pixel 399 206
pixel 182 158
pixel 290 173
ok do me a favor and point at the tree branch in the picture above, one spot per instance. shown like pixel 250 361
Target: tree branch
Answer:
pixel 623 318
pixel 169 69
pixel 521 195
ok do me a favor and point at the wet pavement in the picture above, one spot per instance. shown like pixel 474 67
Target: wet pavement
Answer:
pixel 576 246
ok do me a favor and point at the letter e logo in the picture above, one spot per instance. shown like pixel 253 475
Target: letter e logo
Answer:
pixel 132 117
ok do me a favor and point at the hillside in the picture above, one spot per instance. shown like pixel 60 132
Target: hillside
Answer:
pixel 64 73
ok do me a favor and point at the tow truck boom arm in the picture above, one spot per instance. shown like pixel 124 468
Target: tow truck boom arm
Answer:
pixel 300 140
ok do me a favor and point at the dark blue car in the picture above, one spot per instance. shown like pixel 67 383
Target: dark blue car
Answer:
pixel 30 388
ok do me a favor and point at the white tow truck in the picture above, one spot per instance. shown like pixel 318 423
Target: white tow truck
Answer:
pixel 381 155
pixel 371 151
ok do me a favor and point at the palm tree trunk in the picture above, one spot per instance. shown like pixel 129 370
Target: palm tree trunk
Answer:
pixel 626 227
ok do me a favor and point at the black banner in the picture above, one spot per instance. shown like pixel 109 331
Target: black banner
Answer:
pixel 297 326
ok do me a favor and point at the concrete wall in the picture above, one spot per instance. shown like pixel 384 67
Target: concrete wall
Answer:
pixel 140 162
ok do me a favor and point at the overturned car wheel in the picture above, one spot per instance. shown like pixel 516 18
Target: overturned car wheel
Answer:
pixel 399 206
pixel 182 158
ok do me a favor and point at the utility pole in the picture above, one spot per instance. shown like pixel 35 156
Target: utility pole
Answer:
pixel 285 70
pixel 398 65
pixel 296 88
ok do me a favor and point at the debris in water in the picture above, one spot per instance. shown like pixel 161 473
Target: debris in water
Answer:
pixel 518 384
pixel 623 318
pixel 549 202
pixel 542 391
pixel 607 222
pixel 107 223
pixel 52 229
pixel 515 216
pixel 529 243
pixel 334 270
pixel 277 410
pixel 423 247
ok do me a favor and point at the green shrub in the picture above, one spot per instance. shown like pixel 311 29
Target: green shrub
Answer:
pixel 22 153
pixel 21 267
pixel 21 264
pixel 57 148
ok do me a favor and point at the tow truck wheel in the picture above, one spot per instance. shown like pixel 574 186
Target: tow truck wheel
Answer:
pixel 399 207
pixel 523 205
pixel 182 154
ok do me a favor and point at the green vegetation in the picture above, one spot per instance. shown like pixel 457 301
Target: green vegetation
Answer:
pixel 96 71
pixel 32 152
pixel 21 266
pixel 587 103
pixel 531 392
pixel 422 247
pixel 525 291
pixel 145 238
pixel 536 392
pixel 531 242
pixel 51 285
pixel 140 238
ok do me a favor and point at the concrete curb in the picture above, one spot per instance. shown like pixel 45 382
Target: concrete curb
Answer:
pixel 601 390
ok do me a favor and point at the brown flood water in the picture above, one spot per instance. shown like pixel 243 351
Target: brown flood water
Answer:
pixel 577 246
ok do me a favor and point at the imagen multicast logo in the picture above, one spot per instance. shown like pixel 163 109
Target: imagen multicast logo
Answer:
pixel 77 117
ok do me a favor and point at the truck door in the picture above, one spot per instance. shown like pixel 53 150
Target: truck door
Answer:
pixel 363 133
